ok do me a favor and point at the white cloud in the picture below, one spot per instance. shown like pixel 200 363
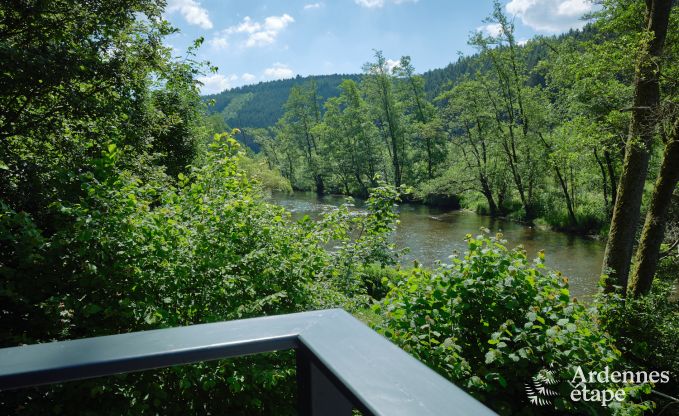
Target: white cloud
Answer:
pixel 373 4
pixel 192 12
pixel 491 29
pixel 370 3
pixel 391 64
pixel 247 26
pixel 220 42
pixel 216 83
pixel 247 77
pixel 257 33
pixel 550 15
pixel 312 6
pixel 279 71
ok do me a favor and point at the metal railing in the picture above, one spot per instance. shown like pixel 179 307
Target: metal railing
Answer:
pixel 341 363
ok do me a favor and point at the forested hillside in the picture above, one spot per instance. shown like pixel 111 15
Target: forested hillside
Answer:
pixel 437 80
pixel 261 105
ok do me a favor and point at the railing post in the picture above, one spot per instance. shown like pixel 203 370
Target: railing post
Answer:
pixel 316 394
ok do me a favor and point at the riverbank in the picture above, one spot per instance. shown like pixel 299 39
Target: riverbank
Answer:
pixel 590 222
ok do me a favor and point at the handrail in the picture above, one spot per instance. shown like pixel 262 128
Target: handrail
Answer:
pixel 341 363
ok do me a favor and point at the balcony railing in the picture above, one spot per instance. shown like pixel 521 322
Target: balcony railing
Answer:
pixel 341 363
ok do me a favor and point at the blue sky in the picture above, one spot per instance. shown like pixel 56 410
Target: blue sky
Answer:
pixel 260 40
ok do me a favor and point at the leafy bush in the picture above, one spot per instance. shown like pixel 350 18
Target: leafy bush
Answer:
pixel 377 279
pixel 492 320
pixel 257 168
pixel 646 330
pixel 135 255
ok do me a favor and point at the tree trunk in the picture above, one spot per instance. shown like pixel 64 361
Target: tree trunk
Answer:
pixel 604 178
pixel 569 202
pixel 652 236
pixel 430 171
pixel 320 186
pixel 492 206
pixel 626 211
pixel 564 184
pixel 613 178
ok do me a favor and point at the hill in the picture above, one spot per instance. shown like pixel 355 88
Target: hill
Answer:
pixel 261 105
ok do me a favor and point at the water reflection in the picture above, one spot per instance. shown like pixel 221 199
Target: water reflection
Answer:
pixel 433 235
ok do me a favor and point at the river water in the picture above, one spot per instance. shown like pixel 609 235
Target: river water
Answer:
pixel 433 234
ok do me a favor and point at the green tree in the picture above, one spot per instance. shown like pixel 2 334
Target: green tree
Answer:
pixel 626 212
pixel 507 93
pixel 426 129
pixel 349 139
pixel 470 121
pixel 653 233
pixel 79 76
pixel 386 111
pixel 302 115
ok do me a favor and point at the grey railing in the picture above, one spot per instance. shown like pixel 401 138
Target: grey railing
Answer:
pixel 341 363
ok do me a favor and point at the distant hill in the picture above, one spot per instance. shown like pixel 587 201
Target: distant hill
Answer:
pixel 261 105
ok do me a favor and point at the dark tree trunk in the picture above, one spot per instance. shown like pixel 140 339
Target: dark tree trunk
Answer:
pixel 652 236
pixel 626 211
pixel 569 201
pixel 320 186
pixel 614 180
pixel 564 185
pixel 501 198
pixel 492 206
pixel 430 170
pixel 605 180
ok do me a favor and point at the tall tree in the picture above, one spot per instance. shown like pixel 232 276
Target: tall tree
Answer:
pixel 348 137
pixel 302 115
pixel 379 89
pixel 512 119
pixel 427 135
pixel 626 212
pixel 587 88
pixel 648 252
pixel 75 78
pixel 469 119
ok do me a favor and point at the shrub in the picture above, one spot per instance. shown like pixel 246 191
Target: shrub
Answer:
pixel 377 279
pixel 492 321
pixel 138 255
pixel 646 330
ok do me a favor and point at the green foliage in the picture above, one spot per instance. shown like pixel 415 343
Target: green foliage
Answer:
pixel 79 76
pixel 261 105
pixel 493 132
pixel 646 330
pixel 492 320
pixel 140 254
pixel 378 279
pixel 258 169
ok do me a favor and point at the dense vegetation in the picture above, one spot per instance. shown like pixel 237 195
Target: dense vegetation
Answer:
pixel 261 105
pixel 127 204
pixel 535 132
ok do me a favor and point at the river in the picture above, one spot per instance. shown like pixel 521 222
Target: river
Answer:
pixel 433 234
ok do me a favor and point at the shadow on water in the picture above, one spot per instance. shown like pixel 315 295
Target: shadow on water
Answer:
pixel 432 234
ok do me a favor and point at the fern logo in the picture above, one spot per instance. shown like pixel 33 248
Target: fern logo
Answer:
pixel 539 390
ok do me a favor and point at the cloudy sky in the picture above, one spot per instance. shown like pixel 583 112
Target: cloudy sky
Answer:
pixel 259 40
